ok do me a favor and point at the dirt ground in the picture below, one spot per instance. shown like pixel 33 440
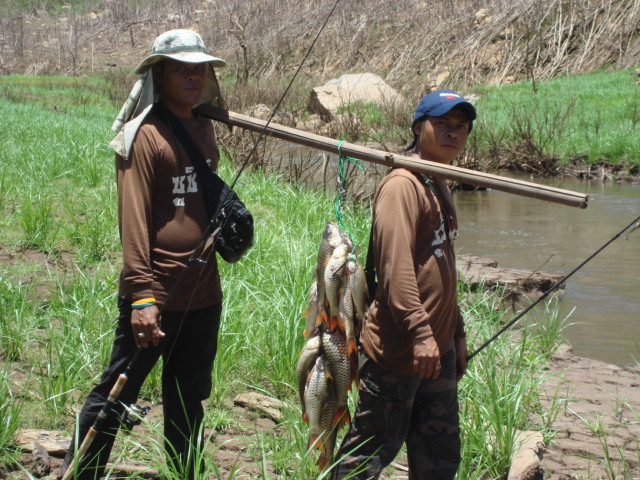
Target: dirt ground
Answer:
pixel 599 423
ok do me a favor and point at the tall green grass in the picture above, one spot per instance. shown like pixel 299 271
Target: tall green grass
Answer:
pixel 594 116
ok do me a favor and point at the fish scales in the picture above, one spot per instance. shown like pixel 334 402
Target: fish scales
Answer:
pixel 359 293
pixel 329 432
pixel 334 347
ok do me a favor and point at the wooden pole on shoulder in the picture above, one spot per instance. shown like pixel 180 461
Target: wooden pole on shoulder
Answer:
pixel 463 175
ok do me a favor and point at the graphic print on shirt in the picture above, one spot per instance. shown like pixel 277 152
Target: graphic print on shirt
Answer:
pixel 439 237
pixel 184 184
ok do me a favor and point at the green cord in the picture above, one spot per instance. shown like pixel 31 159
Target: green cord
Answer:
pixel 342 190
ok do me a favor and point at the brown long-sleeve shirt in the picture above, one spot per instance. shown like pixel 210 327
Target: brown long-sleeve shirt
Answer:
pixel 415 263
pixel 162 216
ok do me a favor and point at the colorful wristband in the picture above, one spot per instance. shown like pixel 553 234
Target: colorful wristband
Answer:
pixel 138 306
pixel 144 300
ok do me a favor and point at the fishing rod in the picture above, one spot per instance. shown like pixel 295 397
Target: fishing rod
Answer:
pixel 550 290
pixel 198 251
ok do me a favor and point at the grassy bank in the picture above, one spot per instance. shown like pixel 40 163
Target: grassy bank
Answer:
pixel 592 118
pixel 60 259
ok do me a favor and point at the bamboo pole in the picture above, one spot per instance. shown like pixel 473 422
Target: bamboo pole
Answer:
pixel 462 175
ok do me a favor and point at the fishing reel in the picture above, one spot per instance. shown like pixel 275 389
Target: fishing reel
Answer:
pixel 132 416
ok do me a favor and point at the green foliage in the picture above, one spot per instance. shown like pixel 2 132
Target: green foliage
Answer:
pixel 596 116
pixel 10 411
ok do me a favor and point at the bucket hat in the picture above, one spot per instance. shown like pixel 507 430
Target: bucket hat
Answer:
pixel 181 45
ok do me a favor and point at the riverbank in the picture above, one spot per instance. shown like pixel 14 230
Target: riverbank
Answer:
pixel 598 427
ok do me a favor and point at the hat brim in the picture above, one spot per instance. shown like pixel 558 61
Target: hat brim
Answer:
pixel 448 106
pixel 188 57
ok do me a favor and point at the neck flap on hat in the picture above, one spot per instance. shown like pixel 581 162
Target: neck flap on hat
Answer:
pixel 140 101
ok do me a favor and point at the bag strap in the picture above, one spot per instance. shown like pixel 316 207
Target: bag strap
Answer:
pixel 370 265
pixel 211 183
pixel 438 194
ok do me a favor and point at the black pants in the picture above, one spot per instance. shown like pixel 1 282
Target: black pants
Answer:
pixel 188 351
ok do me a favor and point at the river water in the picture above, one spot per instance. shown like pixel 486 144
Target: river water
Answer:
pixel 523 233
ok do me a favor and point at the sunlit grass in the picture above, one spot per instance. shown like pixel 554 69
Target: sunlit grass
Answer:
pixel 602 115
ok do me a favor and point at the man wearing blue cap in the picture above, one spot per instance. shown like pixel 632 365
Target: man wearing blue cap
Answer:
pixel 162 217
pixel 413 348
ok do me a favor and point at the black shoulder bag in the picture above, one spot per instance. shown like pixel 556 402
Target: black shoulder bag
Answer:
pixel 234 224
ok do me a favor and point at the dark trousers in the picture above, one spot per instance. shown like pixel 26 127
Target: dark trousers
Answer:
pixel 392 410
pixel 188 351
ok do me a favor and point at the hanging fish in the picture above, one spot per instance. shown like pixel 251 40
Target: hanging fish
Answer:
pixel 334 348
pixel 330 433
pixel 330 240
pixel 318 400
pixel 359 293
pixel 306 361
pixel 333 282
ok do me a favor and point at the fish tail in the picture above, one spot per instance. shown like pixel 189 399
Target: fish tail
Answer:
pixel 333 323
pixel 342 414
pixel 322 463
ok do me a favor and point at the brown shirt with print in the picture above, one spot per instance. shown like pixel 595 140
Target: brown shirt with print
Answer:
pixel 162 217
pixel 415 264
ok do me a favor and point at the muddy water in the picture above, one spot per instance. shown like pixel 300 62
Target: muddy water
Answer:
pixel 530 234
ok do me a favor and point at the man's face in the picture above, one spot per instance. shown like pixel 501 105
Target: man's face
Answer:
pixel 441 139
pixel 180 84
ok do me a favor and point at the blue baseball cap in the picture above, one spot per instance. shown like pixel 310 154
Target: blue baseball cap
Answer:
pixel 436 104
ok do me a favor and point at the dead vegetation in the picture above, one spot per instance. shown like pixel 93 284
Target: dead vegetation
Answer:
pixel 412 43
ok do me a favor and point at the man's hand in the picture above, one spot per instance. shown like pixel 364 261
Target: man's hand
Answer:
pixel 461 358
pixel 426 358
pixel 146 321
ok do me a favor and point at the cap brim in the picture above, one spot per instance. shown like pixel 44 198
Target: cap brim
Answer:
pixel 462 104
pixel 188 57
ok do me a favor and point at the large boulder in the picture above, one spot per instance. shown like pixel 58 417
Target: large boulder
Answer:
pixel 357 87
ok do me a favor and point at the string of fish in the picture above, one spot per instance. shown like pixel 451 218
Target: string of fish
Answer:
pixel 327 365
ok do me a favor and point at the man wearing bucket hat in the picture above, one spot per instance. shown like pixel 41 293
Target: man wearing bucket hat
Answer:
pixel 162 217
pixel 413 347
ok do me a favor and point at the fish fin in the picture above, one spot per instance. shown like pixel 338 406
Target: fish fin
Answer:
pixel 305 417
pixel 305 314
pixel 342 414
pixel 334 323
pixel 322 463
pixel 323 318
pixel 315 441
pixel 352 348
